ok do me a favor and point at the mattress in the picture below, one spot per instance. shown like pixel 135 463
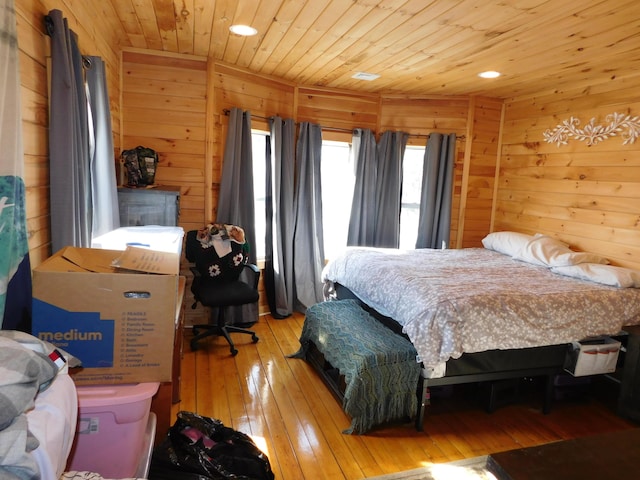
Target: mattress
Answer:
pixel 450 302
pixel 480 363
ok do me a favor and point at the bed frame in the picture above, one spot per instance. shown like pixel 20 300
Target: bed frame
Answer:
pixel 490 366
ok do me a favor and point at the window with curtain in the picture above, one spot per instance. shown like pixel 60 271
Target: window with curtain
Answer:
pixel 337 193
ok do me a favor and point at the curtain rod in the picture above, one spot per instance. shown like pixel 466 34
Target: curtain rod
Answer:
pixel 226 112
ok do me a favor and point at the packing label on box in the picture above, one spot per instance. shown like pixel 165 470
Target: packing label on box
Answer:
pixel 145 260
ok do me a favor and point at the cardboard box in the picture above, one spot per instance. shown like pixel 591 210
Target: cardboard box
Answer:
pixel 113 310
pixel 592 357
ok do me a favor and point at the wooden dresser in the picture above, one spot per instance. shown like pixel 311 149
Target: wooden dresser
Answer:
pixel 169 392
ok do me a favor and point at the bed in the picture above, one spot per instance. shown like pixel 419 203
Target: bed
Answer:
pixel 504 311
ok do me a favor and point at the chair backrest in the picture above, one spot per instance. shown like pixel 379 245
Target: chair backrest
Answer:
pixel 191 246
pixel 218 260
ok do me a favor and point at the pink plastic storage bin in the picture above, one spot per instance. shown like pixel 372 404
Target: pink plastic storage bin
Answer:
pixel 112 420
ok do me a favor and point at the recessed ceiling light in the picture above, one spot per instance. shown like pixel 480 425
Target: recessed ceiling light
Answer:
pixel 365 76
pixel 489 74
pixel 244 30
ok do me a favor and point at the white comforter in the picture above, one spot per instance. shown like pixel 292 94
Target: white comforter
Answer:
pixel 38 408
pixel 471 300
pixel 38 411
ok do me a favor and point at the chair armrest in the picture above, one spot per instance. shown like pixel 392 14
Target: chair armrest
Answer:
pixel 250 274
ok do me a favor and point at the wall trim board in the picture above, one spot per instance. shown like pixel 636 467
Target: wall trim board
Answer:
pixel 497 173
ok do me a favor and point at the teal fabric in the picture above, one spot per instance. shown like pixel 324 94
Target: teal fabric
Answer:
pixel 15 269
pixel 380 367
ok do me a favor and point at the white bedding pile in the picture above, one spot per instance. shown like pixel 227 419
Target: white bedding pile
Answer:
pixel 38 408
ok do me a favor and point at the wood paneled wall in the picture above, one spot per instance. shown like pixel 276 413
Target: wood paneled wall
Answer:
pixel 477 185
pixel 176 104
pixel 339 112
pixel 587 196
pixel 96 36
pixel 164 107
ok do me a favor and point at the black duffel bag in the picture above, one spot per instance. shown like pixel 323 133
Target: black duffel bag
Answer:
pixel 202 448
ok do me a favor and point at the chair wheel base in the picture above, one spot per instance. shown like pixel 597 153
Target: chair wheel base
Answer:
pixel 206 332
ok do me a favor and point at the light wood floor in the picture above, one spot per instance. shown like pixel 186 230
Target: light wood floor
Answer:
pixel 288 411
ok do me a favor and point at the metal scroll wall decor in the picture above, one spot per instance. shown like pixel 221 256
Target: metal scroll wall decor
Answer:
pixel 627 126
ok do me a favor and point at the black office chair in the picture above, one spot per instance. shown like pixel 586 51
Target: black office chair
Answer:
pixel 221 282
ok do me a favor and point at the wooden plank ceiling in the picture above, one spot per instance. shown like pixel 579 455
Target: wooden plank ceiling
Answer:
pixel 417 46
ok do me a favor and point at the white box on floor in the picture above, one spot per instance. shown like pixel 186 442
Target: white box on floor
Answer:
pixel 593 357
pixel 112 435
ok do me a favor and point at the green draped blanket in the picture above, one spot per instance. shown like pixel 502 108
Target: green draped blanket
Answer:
pixel 379 366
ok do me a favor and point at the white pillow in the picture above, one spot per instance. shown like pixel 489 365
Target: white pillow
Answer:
pixel 509 243
pixel 550 252
pixel 604 274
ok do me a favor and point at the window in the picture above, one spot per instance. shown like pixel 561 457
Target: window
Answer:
pixel 258 145
pixel 338 179
pixel 412 164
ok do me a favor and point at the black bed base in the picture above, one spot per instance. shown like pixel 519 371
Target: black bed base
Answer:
pixel 331 376
pixel 548 372
pixel 336 384
pixel 490 366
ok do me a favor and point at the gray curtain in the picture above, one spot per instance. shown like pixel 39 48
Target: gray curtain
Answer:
pixel 104 192
pixel 278 274
pixel 236 200
pixel 375 211
pixel 363 208
pixel 308 235
pixel 434 222
pixel 70 180
pixel 389 189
